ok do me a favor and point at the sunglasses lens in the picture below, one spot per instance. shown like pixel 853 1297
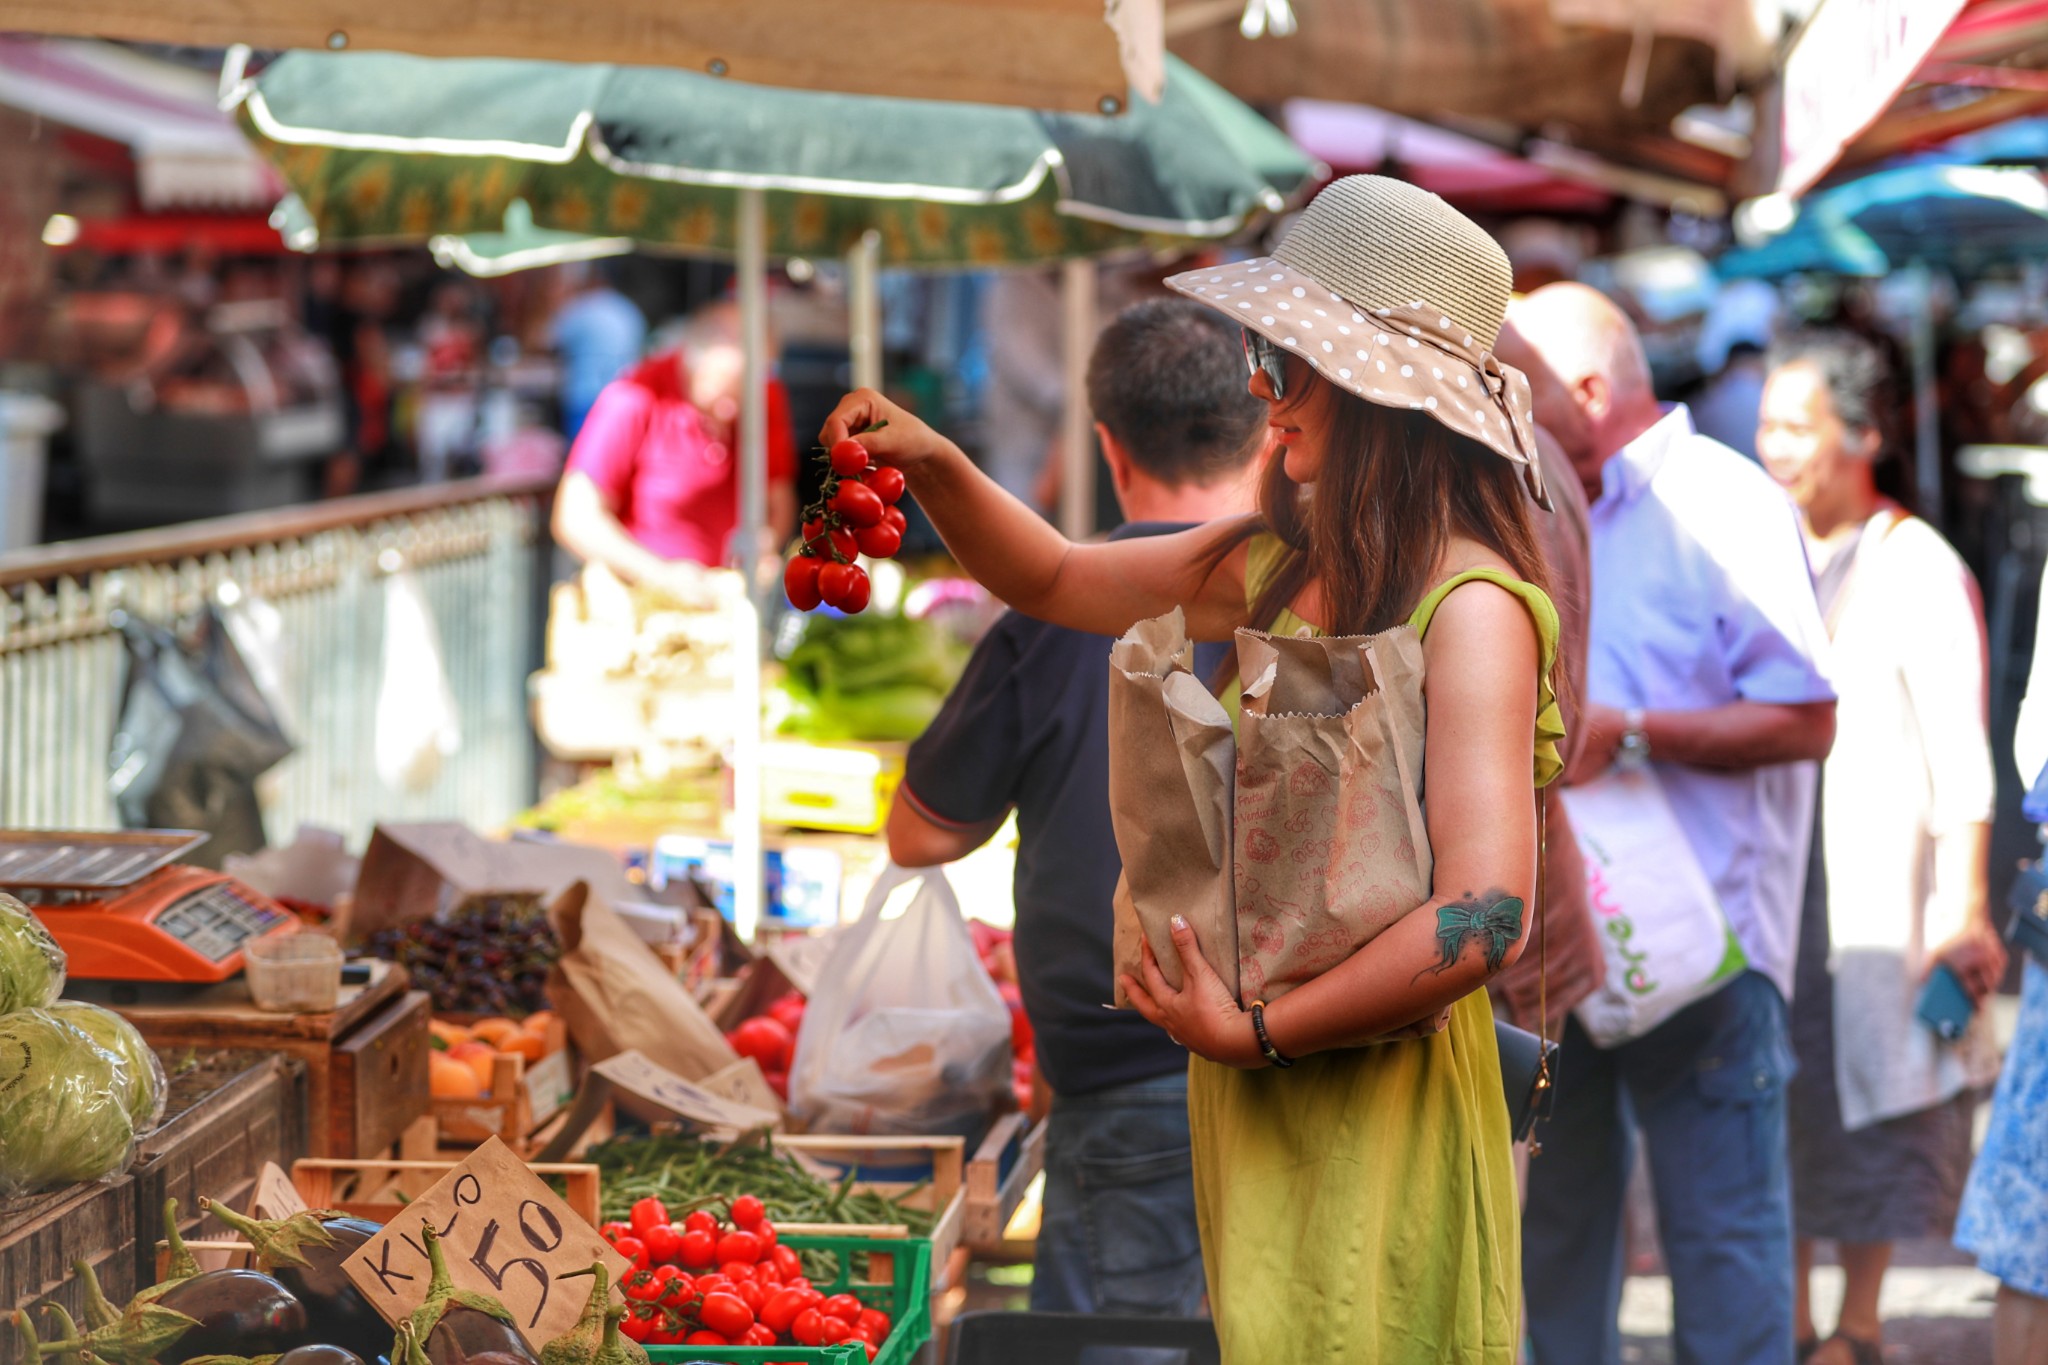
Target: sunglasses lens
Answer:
pixel 1261 354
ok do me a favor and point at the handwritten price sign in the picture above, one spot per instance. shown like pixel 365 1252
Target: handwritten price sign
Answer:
pixel 633 1073
pixel 503 1232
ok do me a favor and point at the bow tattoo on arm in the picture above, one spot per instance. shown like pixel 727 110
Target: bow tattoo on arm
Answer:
pixel 1494 920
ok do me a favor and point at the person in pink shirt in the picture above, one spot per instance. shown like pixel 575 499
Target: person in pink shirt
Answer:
pixel 651 491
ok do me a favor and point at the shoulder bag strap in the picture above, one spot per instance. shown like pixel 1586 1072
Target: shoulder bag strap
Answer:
pixel 1543 1078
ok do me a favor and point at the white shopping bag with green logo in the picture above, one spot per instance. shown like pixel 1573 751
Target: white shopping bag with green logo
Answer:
pixel 1661 925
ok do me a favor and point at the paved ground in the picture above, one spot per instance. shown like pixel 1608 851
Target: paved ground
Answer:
pixel 1936 1305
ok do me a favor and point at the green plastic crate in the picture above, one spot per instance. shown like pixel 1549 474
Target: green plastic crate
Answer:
pixel 907 1300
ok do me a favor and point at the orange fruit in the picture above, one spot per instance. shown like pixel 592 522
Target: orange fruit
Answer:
pixel 494 1030
pixel 449 1079
pixel 537 1022
pixel 479 1057
pixel 526 1045
pixel 449 1034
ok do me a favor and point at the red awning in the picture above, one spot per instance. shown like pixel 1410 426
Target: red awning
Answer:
pixel 1468 172
pixel 1888 89
pixel 187 152
pixel 229 236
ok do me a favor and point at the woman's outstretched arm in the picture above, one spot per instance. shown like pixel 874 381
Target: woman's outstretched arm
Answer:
pixel 1015 554
pixel 1481 655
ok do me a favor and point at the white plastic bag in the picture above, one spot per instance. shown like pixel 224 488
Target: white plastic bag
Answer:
pixel 418 727
pixel 905 1032
pixel 1661 925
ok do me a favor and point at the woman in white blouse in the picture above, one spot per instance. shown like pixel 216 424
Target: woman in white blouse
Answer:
pixel 1880 1112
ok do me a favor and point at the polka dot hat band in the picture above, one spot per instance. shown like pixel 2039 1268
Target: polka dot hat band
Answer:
pixel 1395 296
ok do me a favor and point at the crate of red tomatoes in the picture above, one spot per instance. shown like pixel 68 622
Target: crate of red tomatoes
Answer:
pixel 719 1283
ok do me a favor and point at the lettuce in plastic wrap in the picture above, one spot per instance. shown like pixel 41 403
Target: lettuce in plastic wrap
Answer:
pixel 146 1088
pixel 63 1105
pixel 31 963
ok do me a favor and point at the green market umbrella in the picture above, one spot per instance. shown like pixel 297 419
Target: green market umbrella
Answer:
pixel 487 255
pixel 389 148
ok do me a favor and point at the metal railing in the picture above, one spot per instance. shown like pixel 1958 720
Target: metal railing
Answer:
pixel 476 550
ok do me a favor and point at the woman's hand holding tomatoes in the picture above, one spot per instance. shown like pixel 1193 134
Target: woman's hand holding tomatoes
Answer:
pixel 893 436
pixel 854 515
pixel 1201 1016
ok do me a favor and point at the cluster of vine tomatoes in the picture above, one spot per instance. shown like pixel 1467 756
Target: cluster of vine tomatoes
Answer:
pixel 856 514
pixel 703 1282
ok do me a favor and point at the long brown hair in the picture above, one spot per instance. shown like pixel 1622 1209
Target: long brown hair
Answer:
pixel 1394 488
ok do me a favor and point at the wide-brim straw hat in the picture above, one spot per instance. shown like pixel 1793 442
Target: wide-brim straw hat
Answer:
pixel 1395 296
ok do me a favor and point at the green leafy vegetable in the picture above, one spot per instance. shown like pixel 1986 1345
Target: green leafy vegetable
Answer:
pixel 146 1089
pixel 31 963
pixel 63 1104
pixel 687 1173
pixel 869 677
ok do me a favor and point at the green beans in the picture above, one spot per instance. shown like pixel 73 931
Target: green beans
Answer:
pixel 688 1173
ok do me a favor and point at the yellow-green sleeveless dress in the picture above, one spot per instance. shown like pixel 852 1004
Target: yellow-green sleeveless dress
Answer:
pixel 1360 1207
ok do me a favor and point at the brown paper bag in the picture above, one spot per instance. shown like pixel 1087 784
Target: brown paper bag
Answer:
pixel 1171 757
pixel 614 994
pixel 1330 844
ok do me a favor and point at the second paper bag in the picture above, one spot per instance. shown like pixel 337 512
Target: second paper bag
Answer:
pixel 1330 845
pixel 1170 762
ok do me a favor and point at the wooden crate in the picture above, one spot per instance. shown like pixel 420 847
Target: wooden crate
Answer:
pixel 41 1235
pixel 380 1189
pixel 525 1103
pixel 1005 1164
pixel 377 1076
pixel 224 1017
pixel 945 1195
pixel 218 1145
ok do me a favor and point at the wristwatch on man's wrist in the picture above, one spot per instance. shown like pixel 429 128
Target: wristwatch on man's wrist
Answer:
pixel 1633 751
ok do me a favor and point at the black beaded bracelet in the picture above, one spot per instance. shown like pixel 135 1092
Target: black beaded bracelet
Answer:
pixel 1272 1053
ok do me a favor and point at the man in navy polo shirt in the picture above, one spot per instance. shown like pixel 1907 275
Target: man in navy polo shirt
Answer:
pixel 1028 727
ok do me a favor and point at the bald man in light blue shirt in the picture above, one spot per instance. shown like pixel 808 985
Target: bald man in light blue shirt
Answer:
pixel 1707 664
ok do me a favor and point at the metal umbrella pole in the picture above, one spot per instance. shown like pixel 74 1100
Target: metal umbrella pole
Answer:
pixel 1926 419
pixel 748 861
pixel 864 309
pixel 1077 431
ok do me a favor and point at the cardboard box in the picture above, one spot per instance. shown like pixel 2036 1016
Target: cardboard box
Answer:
pixel 411 870
pixel 843 787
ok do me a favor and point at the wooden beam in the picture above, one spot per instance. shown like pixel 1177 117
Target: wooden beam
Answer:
pixel 1044 54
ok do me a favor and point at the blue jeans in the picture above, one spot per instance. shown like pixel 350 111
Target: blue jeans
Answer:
pixel 1118 1232
pixel 1707 1088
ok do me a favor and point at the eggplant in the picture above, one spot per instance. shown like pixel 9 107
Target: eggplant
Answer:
pixel 319 1355
pixel 241 1311
pixel 406 1351
pixel 132 1336
pixel 304 1253
pixel 66 1330
pixel 595 1339
pixel 465 1336
pixel 457 1326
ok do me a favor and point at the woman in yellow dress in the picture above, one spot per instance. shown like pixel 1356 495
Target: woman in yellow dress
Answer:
pixel 1357 1199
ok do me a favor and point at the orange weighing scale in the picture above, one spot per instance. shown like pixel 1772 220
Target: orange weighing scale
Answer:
pixel 123 910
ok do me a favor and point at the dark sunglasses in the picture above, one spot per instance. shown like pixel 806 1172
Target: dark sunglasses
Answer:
pixel 1260 353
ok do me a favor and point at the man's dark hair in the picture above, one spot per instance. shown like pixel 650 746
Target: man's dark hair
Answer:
pixel 1853 370
pixel 1168 380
